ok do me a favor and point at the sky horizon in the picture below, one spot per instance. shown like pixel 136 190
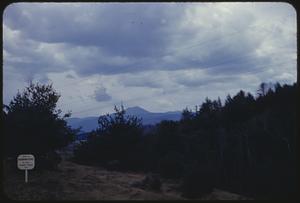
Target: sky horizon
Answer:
pixel 158 56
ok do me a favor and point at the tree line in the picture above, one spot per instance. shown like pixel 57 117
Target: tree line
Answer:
pixel 246 145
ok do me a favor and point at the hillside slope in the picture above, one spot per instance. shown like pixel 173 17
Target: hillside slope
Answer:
pixel 78 182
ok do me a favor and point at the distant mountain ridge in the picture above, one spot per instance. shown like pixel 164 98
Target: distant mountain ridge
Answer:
pixel 136 110
pixel 148 118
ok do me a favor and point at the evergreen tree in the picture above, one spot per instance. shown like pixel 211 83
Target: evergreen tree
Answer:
pixel 34 125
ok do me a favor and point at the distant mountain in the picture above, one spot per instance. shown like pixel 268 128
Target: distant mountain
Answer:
pixel 87 123
pixel 149 118
pixel 136 110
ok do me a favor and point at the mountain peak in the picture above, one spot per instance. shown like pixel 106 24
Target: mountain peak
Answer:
pixel 136 110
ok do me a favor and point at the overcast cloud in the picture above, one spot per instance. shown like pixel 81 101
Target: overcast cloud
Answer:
pixel 101 94
pixel 160 56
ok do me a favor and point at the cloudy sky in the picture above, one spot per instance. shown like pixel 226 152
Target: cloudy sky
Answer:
pixel 159 56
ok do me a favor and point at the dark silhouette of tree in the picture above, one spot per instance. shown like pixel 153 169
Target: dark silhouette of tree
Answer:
pixel 262 90
pixel 118 139
pixel 187 115
pixel 168 138
pixel 187 122
pixel 34 125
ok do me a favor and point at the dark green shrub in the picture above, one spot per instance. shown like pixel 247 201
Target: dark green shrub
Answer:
pixel 33 124
pixel 117 138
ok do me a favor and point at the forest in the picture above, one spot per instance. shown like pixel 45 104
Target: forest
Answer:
pixel 246 144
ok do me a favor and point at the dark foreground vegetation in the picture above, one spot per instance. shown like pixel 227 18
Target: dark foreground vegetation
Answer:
pixel 33 125
pixel 246 145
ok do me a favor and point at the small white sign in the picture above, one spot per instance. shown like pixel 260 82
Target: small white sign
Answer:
pixel 25 161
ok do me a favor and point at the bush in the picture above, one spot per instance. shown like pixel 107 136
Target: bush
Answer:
pixel 33 124
pixel 200 180
pixel 118 137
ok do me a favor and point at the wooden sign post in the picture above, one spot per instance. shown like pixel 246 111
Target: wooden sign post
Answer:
pixel 25 162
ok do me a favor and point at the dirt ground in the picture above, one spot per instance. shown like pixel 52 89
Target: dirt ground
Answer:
pixel 79 182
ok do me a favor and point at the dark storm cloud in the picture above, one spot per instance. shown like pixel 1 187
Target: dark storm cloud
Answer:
pixel 120 29
pixel 137 32
pixel 133 34
pixel 95 39
pixel 203 81
pixel 101 95
pixel 149 48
